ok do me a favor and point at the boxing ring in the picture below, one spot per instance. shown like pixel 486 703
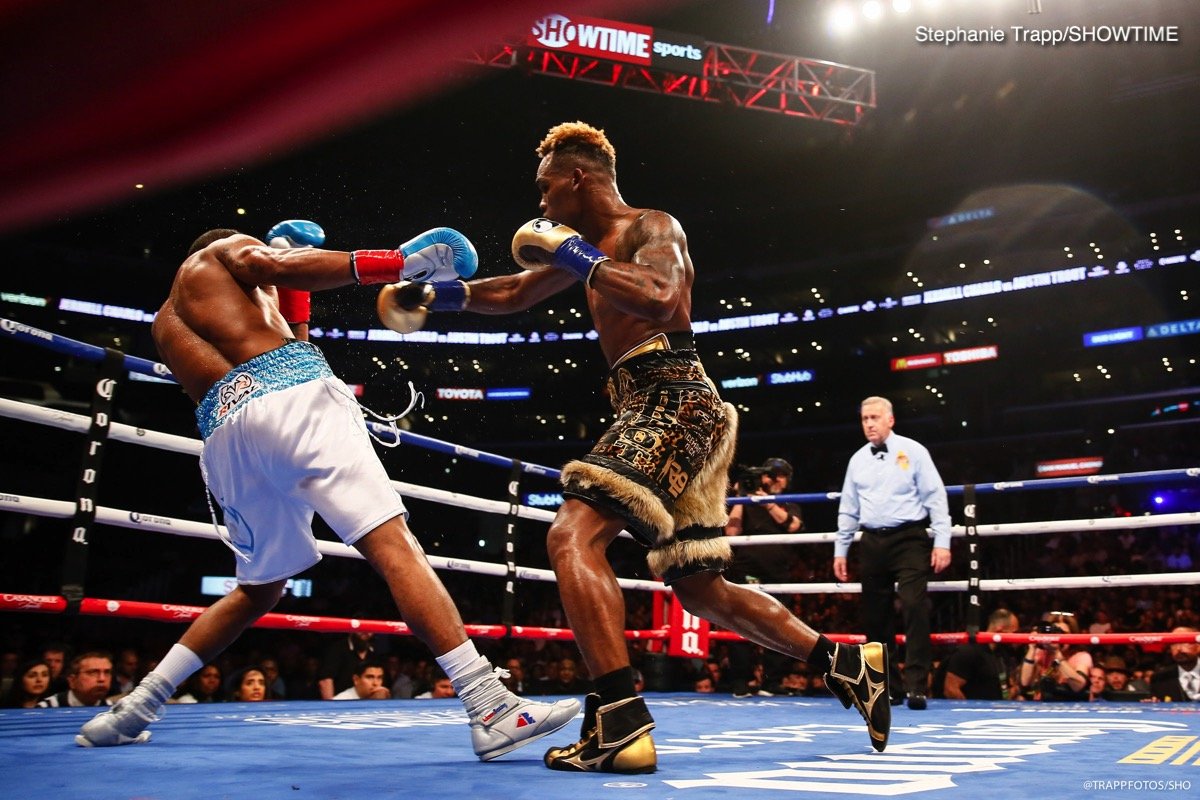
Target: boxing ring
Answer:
pixel 709 746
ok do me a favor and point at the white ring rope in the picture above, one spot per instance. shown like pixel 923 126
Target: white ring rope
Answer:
pixel 120 518
pixel 204 530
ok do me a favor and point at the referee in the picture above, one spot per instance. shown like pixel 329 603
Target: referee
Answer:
pixel 894 494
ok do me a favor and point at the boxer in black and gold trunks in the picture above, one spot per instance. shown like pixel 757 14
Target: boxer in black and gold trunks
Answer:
pixel 660 470
pixel 662 465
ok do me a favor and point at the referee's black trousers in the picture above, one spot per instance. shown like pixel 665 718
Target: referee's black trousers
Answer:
pixel 897 565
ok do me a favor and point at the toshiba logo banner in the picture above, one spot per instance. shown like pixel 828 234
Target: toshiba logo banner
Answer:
pixel 948 358
pixel 619 41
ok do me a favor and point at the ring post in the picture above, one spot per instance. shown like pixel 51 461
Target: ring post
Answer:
pixel 74 572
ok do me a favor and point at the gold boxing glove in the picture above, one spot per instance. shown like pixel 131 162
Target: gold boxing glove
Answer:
pixel 543 243
pixel 404 306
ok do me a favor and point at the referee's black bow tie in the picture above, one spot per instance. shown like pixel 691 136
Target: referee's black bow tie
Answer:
pixel 880 449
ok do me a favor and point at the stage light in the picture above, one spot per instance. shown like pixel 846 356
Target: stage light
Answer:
pixel 872 9
pixel 901 6
pixel 841 20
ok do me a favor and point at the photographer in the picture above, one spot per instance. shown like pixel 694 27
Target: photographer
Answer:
pixel 760 564
pixel 1051 671
pixel 773 477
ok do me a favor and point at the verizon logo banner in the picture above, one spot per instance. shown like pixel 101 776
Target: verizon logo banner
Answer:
pixel 619 41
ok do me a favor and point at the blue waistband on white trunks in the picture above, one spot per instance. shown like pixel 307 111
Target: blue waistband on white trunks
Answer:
pixel 290 365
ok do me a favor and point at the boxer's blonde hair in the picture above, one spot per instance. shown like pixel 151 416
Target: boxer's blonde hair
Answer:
pixel 581 139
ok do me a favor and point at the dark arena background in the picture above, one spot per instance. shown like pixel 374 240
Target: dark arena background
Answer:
pixel 987 211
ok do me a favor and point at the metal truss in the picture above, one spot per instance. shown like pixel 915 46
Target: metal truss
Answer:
pixel 751 79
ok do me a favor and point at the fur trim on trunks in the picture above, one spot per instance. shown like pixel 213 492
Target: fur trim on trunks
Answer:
pixel 703 502
pixel 644 504
pixel 681 552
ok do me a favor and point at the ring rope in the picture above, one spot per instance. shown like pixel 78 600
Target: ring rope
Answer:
pixel 134 520
pixel 166 612
pixel 129 434
pixel 182 444
pixel 203 530
pixel 73 347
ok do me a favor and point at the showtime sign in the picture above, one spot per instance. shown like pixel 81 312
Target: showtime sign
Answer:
pixel 619 41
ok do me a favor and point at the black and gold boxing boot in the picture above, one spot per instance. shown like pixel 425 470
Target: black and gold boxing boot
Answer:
pixel 858 676
pixel 614 738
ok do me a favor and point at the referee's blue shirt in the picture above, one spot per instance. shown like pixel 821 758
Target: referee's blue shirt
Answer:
pixel 889 489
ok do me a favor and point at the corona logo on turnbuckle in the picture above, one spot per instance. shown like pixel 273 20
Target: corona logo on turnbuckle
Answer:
pixel 237 389
pixel 104 388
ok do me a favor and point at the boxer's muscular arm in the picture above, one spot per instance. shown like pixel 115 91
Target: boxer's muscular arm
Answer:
pixel 253 263
pixel 651 284
pixel 507 294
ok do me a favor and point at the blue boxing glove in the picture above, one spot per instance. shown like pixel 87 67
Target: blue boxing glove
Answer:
pixel 440 254
pixel 543 243
pixel 295 233
pixel 295 304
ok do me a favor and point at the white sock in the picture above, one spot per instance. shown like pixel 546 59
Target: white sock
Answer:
pixel 461 661
pixel 177 665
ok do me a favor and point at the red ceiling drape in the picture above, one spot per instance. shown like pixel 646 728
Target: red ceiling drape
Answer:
pixel 98 96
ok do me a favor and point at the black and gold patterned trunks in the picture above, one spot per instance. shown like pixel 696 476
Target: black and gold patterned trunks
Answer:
pixel 663 464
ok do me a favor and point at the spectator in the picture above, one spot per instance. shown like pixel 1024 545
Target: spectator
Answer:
pixel 396 674
pixel 307 684
pixel 31 683
pixel 1102 623
pixel 89 678
pixel 516 676
pixel 340 661
pixel 794 683
pixel 720 684
pixel 761 563
pixel 977 671
pixel 703 685
pixel 1179 682
pixel 442 687
pixel 1097 683
pixel 567 681
pixel 1052 671
pixel 368 683
pixel 1116 678
pixel 125 671
pixel 248 685
pixel 55 654
pixel 276 689
pixel 203 687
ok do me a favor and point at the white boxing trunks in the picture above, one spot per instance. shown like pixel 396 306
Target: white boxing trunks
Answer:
pixel 284 438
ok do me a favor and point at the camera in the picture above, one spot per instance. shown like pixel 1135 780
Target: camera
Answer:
pixel 1047 627
pixel 748 479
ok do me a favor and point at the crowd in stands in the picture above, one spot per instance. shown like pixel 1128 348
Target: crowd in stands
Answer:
pixel 281 665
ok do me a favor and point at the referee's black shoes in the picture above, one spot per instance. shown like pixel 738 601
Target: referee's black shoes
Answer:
pixel 859 677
